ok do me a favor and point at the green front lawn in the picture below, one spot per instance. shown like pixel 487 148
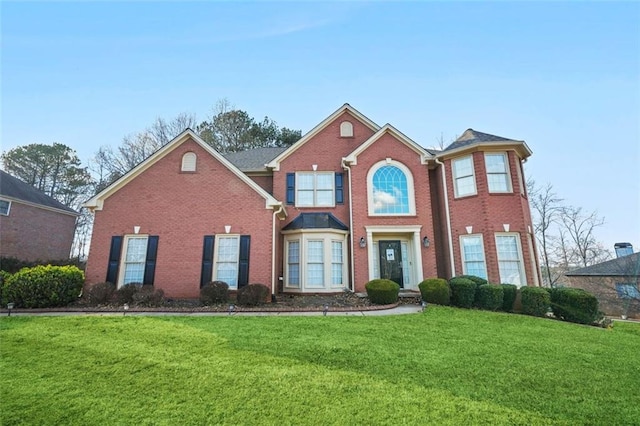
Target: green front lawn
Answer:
pixel 446 366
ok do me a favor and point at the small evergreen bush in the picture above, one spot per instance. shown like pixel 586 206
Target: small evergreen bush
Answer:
pixel 463 292
pixel 100 294
pixel 252 295
pixel 478 280
pixel 382 292
pixel 509 292
pixel 214 292
pixel 148 296
pixel 125 293
pixel 43 286
pixel 535 301
pixel 490 297
pixel 574 305
pixel 435 290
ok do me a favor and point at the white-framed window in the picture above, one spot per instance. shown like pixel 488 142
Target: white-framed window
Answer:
pixel 293 263
pixel 464 180
pixel 226 256
pixel 189 160
pixel 497 165
pixel 472 251
pixel 390 189
pixel 134 257
pixel 5 207
pixel 314 261
pixel 510 264
pixel 315 189
pixel 346 129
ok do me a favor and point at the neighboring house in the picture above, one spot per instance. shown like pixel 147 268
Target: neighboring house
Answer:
pixel 33 226
pixel 349 202
pixel 616 284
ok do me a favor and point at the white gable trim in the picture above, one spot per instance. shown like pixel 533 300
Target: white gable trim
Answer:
pixel 97 201
pixel 425 155
pixel 520 147
pixel 275 163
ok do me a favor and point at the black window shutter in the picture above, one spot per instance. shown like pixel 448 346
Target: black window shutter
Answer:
pixel 207 260
pixel 291 188
pixel 114 259
pixel 150 265
pixel 243 261
pixel 339 188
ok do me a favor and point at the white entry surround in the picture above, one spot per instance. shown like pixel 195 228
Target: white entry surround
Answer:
pixel 404 233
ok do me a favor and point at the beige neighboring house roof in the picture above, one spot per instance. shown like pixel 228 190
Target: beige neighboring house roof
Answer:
pixel 96 202
pixel 275 163
pixel 425 155
pixel 472 140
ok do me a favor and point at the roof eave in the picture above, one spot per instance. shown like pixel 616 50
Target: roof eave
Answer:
pixel 520 147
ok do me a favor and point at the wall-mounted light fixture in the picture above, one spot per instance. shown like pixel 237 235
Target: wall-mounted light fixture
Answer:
pixel 363 242
pixel 425 242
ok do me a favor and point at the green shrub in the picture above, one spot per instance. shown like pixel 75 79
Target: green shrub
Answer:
pixel 100 294
pixel 574 305
pixel 44 286
pixel 4 276
pixel 478 280
pixel 535 301
pixel 463 292
pixel 509 292
pixel 490 297
pixel 382 292
pixel 214 292
pixel 148 296
pixel 252 295
pixel 435 290
pixel 125 293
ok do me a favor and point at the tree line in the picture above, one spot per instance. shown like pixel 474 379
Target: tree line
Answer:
pixel 57 171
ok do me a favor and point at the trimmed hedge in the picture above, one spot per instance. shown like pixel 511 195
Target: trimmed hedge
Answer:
pixel 252 295
pixel 43 286
pixel 125 293
pixel 435 290
pixel 382 292
pixel 148 296
pixel 509 292
pixel 574 305
pixel 535 301
pixel 100 294
pixel 478 280
pixel 214 292
pixel 490 297
pixel 463 292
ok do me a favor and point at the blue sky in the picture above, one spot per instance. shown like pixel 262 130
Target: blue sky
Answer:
pixel 565 77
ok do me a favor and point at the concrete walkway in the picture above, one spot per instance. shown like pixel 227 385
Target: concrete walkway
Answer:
pixel 398 310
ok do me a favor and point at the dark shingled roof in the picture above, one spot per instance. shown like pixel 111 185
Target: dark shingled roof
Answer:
pixel 253 159
pixel 315 221
pixel 470 137
pixel 622 266
pixel 15 188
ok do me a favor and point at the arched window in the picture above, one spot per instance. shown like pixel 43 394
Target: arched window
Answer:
pixel 346 129
pixel 390 188
pixel 189 162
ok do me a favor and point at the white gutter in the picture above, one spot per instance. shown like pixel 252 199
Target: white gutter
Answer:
pixel 448 214
pixel 273 252
pixel 353 273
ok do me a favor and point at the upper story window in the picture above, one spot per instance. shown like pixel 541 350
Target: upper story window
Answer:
pixel 464 181
pixel 346 129
pixel 497 172
pixel 5 206
pixel 390 189
pixel 315 189
pixel 189 162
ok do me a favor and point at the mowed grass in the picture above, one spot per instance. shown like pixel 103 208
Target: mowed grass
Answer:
pixel 446 366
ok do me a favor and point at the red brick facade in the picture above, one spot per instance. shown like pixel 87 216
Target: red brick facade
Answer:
pixel 182 208
pixel 33 232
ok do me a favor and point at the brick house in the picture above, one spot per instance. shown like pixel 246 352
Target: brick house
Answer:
pixel 33 226
pixel 349 202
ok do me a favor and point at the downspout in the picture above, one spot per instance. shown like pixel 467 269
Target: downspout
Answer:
pixel 273 252
pixel 353 272
pixel 448 214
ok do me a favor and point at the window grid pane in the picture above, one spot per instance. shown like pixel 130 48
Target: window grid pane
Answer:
pixel 315 264
pixel 390 191
pixel 463 176
pixel 4 207
pixel 336 265
pixel 135 260
pixel 497 177
pixel 293 261
pixel 509 263
pixel 315 189
pixel 227 260
pixel 473 254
